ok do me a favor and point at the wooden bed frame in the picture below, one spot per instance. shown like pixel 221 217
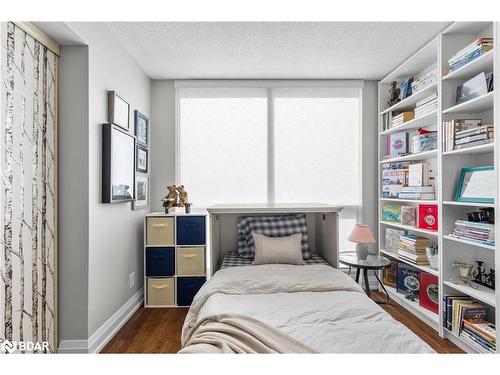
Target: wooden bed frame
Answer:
pixel 322 227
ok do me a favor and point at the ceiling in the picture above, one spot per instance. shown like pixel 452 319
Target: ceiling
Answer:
pixel 272 50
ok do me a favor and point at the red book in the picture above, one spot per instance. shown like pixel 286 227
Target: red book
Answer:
pixel 428 216
pixel 429 292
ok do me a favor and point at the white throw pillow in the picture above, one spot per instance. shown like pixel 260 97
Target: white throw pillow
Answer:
pixel 273 250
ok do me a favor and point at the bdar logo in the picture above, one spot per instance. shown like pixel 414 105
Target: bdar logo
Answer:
pixel 7 347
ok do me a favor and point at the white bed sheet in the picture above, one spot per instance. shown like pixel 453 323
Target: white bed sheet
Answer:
pixel 335 321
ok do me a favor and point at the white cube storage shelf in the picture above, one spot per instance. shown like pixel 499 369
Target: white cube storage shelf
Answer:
pixel 174 258
pixel 447 165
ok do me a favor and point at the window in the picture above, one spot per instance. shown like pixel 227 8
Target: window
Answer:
pixel 271 142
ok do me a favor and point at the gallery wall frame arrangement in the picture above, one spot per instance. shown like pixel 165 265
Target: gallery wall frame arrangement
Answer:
pixel 118 110
pixel 141 123
pixel 28 240
pixel 118 164
pixel 141 192
pixel 142 159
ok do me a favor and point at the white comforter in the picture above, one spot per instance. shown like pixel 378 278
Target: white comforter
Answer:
pixel 316 305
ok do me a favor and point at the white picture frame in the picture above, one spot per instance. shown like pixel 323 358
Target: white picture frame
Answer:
pixel 141 192
pixel 118 110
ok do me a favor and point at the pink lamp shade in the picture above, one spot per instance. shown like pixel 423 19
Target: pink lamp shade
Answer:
pixel 361 234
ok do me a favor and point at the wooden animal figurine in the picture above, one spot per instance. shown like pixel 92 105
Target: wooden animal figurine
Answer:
pixel 170 199
pixel 183 196
pixel 394 93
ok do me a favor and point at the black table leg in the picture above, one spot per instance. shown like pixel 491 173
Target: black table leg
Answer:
pixel 367 286
pixel 386 300
pixel 357 275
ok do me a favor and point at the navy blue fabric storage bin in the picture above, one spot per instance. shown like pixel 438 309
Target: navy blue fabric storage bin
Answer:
pixel 160 261
pixel 187 287
pixel 190 230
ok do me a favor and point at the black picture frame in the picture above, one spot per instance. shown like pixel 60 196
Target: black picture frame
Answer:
pixel 118 110
pixel 142 159
pixel 141 128
pixel 118 169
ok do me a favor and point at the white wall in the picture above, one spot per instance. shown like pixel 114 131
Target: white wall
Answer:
pixel 369 158
pixel 115 231
pixel 73 192
pixel 162 140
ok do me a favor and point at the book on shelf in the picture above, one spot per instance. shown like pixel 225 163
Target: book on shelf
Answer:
pixel 428 216
pixel 412 249
pixel 391 190
pixel 424 78
pixel 401 118
pixel 454 133
pixel 409 215
pixel 392 239
pixel 429 292
pixel 408 281
pixel 417 192
pixel 475 87
pixel 428 99
pixel 470 52
pixel 391 213
pixel 405 88
pixel 418 174
pixel 426 107
pixel 397 144
pixel 468 319
pixel 483 233
pixel 424 142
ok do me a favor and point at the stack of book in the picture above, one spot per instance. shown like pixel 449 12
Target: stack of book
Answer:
pixel 470 53
pixel 392 239
pixel 483 233
pixel 412 248
pixel 425 78
pixel 480 332
pixel 464 128
pixel 468 320
pixel 417 192
pixel 394 177
pixel 474 137
pixel 401 118
pixel 426 105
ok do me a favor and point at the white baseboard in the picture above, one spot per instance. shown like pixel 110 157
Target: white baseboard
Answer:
pixel 105 332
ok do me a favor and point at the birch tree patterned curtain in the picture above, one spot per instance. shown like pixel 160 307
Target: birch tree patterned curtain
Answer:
pixel 28 194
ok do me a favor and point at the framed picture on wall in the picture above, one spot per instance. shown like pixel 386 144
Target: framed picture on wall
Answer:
pixel 141 192
pixel 142 159
pixel 118 157
pixel 118 110
pixel 141 128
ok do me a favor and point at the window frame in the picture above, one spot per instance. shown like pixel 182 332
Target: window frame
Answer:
pixel 269 85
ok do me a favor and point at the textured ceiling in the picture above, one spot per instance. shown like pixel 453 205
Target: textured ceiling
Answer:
pixel 279 50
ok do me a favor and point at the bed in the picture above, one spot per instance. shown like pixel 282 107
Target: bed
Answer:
pixel 284 308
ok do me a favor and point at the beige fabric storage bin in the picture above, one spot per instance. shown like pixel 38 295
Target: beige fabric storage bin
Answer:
pixel 160 231
pixel 190 261
pixel 161 292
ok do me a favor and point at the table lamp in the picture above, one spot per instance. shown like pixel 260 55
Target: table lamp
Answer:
pixel 362 236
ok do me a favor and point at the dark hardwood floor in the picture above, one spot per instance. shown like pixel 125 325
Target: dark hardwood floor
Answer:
pixel 158 331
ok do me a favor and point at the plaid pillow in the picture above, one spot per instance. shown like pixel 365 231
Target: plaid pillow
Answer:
pixel 271 226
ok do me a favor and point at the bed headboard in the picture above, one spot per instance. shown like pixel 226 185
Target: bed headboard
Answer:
pixel 321 219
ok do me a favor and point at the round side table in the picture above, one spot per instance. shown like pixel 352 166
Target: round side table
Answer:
pixel 372 262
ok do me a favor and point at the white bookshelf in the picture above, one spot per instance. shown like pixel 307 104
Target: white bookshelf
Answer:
pixel 446 165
